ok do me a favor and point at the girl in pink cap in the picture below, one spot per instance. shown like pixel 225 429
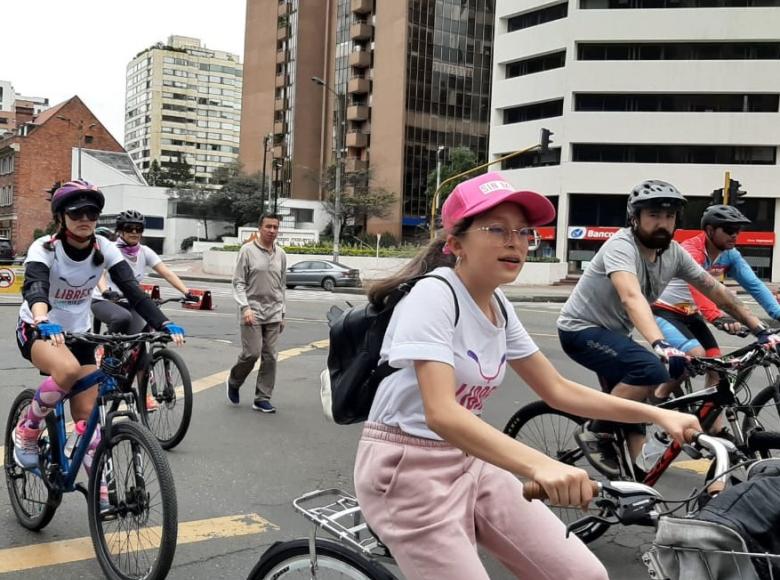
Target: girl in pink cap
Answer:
pixel 433 479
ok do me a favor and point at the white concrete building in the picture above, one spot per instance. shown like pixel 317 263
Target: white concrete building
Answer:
pixel 183 101
pixel 679 90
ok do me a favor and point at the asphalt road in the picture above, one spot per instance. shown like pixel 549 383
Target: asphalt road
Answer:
pixel 237 470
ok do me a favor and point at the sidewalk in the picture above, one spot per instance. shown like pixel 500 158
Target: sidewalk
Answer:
pixel 192 270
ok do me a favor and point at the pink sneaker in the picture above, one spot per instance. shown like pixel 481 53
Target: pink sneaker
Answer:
pixel 26 445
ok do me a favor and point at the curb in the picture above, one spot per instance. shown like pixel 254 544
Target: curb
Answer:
pixel 558 299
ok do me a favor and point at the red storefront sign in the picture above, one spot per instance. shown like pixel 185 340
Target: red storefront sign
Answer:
pixel 598 233
pixel 546 233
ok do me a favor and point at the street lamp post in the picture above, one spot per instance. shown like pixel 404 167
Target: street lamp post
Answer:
pixel 340 113
pixel 80 127
pixel 266 138
pixel 439 151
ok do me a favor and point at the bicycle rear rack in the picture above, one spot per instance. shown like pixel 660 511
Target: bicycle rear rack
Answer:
pixel 342 518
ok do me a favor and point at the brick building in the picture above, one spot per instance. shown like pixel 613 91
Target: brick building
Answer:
pixel 39 154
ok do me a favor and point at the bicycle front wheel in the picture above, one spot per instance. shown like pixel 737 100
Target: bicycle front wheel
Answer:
pixel 165 398
pixel 291 561
pixel 766 406
pixel 31 500
pixel 134 531
pixel 552 432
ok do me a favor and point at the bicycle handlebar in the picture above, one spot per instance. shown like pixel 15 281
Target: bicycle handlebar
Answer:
pixel 182 299
pixel 534 490
pixel 91 338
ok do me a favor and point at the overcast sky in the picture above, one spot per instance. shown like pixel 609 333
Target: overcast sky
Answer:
pixel 57 49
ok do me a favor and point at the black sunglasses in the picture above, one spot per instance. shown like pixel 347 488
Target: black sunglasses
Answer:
pixel 91 213
pixel 133 229
pixel 731 230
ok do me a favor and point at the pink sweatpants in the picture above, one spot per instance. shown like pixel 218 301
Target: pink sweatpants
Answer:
pixel 431 504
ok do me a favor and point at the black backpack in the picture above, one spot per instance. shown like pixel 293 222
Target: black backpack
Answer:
pixel 354 373
pixel 350 382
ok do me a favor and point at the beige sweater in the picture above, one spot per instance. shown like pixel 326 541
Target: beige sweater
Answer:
pixel 259 281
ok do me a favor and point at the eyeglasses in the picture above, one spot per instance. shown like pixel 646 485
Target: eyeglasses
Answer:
pixel 503 235
pixel 731 230
pixel 133 229
pixel 90 213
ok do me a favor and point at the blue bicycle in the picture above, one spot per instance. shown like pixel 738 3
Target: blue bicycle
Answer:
pixel 134 528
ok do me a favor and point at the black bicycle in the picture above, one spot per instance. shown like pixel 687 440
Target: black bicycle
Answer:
pixel 552 431
pixel 162 380
pixel 134 529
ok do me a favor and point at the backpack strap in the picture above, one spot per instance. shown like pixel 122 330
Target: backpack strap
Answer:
pixel 502 307
pixel 407 286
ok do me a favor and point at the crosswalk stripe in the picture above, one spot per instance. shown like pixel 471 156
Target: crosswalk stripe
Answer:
pixel 79 549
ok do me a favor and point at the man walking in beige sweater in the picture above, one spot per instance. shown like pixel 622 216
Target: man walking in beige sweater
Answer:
pixel 258 287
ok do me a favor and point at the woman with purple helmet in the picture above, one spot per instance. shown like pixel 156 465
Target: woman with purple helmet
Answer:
pixel 61 272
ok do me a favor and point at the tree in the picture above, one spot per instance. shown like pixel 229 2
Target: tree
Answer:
pixel 239 200
pixel 178 172
pixel 460 159
pixel 195 202
pixel 225 173
pixel 154 176
pixel 360 200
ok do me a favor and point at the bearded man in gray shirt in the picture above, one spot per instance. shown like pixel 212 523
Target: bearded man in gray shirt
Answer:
pixel 613 297
pixel 259 281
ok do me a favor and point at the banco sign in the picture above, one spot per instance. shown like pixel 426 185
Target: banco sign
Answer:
pixel 591 233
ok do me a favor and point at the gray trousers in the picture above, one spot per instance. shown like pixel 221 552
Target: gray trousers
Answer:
pixel 257 342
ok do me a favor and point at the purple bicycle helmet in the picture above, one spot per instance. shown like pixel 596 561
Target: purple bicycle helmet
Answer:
pixel 76 194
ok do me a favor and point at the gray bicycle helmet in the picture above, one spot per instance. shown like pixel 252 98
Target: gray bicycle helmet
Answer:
pixel 129 216
pixel 721 215
pixel 654 193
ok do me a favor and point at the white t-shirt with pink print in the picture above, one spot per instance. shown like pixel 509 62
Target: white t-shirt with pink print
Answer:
pixel 423 328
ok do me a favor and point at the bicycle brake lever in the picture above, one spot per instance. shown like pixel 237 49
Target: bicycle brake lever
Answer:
pixel 589 519
pixel 691 451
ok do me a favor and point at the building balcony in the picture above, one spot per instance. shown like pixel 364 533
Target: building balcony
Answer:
pixel 357 139
pixel 284 8
pixel 354 164
pixel 282 33
pixel 281 81
pixel 360 31
pixel 360 59
pixel 357 113
pixel 280 104
pixel 358 86
pixel 281 56
pixel 279 128
pixel 278 152
pixel 362 6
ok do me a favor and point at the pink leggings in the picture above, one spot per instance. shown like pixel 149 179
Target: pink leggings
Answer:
pixel 431 504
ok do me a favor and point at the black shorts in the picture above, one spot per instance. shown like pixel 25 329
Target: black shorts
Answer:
pixel 27 334
pixel 686 332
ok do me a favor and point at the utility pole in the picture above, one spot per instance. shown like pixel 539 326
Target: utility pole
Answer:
pixel 438 165
pixel 266 138
pixel 341 99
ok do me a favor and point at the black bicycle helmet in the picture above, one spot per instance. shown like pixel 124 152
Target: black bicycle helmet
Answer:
pixel 721 215
pixel 654 193
pixel 128 217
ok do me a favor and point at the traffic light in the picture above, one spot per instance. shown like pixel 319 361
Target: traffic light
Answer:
pixel 735 194
pixel 717 197
pixel 546 140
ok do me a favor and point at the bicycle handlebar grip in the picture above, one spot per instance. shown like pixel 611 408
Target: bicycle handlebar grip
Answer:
pixel 690 435
pixel 534 490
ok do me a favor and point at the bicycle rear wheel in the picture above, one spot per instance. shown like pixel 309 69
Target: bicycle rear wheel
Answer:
pixel 291 561
pixel 134 538
pixel 552 432
pixel 31 499
pixel 167 383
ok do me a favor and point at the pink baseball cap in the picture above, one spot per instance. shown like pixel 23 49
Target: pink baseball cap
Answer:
pixel 483 192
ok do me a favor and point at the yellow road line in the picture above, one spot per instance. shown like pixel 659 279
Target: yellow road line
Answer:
pixel 219 378
pixel 699 466
pixel 79 549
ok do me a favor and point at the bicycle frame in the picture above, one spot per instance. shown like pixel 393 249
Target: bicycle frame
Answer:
pixel 67 468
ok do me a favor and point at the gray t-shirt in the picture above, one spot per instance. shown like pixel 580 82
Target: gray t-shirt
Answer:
pixel 595 301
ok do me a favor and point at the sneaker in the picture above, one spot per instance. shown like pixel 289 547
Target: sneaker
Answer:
pixel 105 503
pixel 600 451
pixel 26 446
pixel 232 393
pixel 151 404
pixel 263 407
